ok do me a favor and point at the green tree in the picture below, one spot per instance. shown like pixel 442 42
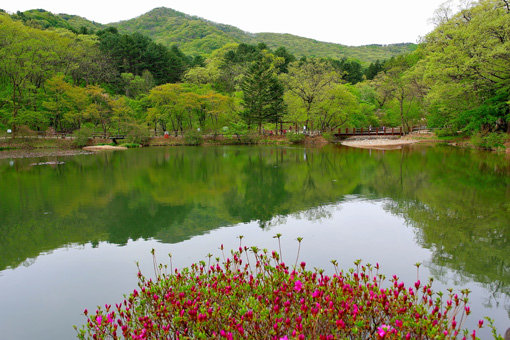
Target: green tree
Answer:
pixel 467 67
pixel 309 80
pixel 262 94
pixel 26 58
pixel 340 107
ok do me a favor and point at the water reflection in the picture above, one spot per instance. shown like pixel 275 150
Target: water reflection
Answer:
pixel 458 201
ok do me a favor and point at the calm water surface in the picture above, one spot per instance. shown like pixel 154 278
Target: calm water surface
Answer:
pixel 70 234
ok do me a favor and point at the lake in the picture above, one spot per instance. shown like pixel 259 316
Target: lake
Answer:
pixel 71 233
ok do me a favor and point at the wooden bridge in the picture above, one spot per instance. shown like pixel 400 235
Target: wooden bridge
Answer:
pixel 374 131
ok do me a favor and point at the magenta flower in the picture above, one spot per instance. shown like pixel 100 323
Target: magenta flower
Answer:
pixel 99 319
pixel 383 330
pixel 298 286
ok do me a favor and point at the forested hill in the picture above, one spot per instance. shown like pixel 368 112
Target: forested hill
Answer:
pixel 42 19
pixel 195 35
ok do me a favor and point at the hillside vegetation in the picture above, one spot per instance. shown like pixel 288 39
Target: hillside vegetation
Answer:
pixel 195 35
pixel 58 77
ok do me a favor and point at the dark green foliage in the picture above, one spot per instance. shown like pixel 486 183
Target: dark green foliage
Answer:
pixel 130 145
pixel 350 70
pixel 373 69
pixel 135 53
pixel 287 57
pixel 244 53
pixel 491 115
pixel 263 95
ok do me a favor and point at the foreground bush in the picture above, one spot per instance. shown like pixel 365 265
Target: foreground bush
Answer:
pixel 82 136
pixel 137 134
pixel 489 141
pixel 295 138
pixel 252 295
pixel 193 137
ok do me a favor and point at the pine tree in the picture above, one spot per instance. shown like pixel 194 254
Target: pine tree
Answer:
pixel 263 94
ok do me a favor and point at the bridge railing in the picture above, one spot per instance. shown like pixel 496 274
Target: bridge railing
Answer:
pixel 382 130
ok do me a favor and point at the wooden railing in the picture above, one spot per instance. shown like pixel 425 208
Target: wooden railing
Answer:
pixel 374 131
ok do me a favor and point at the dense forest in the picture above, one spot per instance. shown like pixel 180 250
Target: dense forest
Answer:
pixel 63 73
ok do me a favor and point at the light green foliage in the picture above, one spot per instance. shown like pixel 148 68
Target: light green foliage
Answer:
pixel 399 92
pixel 178 107
pixel 339 107
pixel 467 68
pixel 28 58
pixel 65 103
pixel 309 82
pixel 55 75
pixel 295 138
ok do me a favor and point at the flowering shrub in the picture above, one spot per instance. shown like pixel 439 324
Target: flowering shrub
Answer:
pixel 253 295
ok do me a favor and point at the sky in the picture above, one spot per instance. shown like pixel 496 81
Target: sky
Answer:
pixel 348 22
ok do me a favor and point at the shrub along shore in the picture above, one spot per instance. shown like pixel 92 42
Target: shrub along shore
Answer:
pixel 254 295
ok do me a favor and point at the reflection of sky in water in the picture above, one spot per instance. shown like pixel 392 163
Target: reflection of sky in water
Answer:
pixel 44 299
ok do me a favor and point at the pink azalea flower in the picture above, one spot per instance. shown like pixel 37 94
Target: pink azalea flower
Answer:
pixel 99 319
pixel 298 286
pixel 381 331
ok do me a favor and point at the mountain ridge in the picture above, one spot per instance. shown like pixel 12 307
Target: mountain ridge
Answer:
pixel 198 36
pixel 212 35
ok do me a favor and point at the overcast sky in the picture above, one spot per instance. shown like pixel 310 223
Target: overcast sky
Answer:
pixel 349 22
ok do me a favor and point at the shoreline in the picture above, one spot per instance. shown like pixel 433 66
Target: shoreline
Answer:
pixel 36 153
pixel 379 144
pixel 63 148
